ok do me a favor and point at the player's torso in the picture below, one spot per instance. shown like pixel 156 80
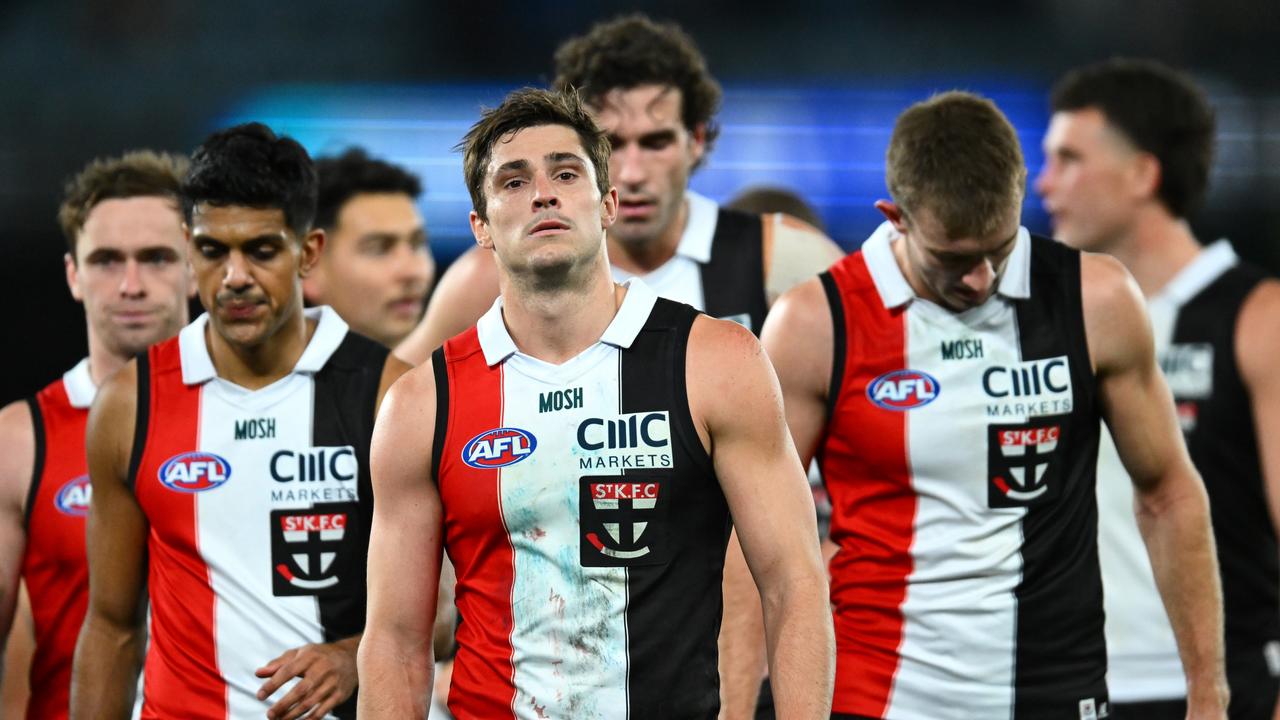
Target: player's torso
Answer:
pixel 1197 337
pixel 959 459
pixel 587 530
pixel 54 567
pixel 259 507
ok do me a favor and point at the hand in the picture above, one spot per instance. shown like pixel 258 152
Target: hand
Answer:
pixel 328 677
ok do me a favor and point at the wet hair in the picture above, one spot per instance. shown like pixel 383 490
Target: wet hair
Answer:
pixel 957 156
pixel 250 166
pixel 633 50
pixel 140 173
pixel 764 199
pixel 526 108
pixel 352 173
pixel 1160 111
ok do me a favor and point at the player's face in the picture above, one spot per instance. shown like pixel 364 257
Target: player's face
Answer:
pixel 957 273
pixel 248 265
pixel 375 269
pixel 546 218
pixel 130 271
pixel 653 156
pixel 1090 180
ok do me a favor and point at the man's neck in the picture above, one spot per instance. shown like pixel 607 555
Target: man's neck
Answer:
pixel 555 326
pixel 1157 249
pixel 641 258
pixel 102 362
pixel 257 366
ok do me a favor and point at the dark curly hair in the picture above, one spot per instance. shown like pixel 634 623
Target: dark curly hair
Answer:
pixel 251 166
pixel 352 173
pixel 141 173
pixel 526 108
pixel 633 50
pixel 1160 111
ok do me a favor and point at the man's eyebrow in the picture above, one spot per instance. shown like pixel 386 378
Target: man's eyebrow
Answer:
pixel 511 166
pixel 564 157
pixel 953 254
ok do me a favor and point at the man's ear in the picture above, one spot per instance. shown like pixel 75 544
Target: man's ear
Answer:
pixel 1146 175
pixel 609 208
pixel 894 214
pixel 698 142
pixel 73 276
pixel 312 246
pixel 480 229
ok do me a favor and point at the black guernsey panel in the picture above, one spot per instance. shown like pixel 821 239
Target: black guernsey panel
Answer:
pixel 1060 650
pixel 674 601
pixel 37 429
pixel 733 280
pixel 1222 441
pixel 346 394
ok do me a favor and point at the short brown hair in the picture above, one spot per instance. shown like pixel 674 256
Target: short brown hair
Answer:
pixel 633 50
pixel 526 108
pixel 140 173
pixel 956 155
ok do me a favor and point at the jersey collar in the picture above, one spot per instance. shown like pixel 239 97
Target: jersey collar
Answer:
pixel 699 228
pixel 197 365
pixel 497 344
pixel 895 291
pixel 1207 266
pixel 78 382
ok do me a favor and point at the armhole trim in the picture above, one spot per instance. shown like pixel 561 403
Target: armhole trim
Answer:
pixel 440 369
pixel 142 419
pixel 839 340
pixel 37 467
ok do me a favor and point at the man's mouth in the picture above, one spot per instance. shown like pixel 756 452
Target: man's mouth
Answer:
pixel 548 227
pixel 635 208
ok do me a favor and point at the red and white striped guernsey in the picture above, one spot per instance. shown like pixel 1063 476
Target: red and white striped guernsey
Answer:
pixel 259 507
pixel 960 457
pixel 584 520
pixel 53 563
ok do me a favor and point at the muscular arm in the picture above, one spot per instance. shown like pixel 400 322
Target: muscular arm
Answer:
pixel 328 670
pixel 1170 500
pixel 798 252
pixel 15 689
pixel 17 461
pixel 109 652
pixel 798 338
pixel 737 405
pixel 1257 343
pixel 466 290
pixel 395 657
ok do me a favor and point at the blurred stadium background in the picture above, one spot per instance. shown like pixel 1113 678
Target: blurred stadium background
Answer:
pixel 811 91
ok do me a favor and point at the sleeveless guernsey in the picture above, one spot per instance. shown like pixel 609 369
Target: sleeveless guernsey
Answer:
pixel 53 563
pixel 585 523
pixel 960 458
pixel 259 506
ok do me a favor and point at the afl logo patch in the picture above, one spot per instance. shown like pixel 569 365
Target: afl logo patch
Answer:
pixel 499 447
pixel 73 497
pixel 193 472
pixel 903 390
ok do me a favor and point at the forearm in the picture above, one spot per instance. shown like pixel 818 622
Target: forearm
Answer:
pixel 395 676
pixel 801 643
pixel 742 645
pixel 105 671
pixel 1179 539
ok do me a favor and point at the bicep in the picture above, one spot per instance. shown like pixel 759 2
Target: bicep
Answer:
pixel 799 339
pixel 755 460
pixel 117 526
pixel 1257 339
pixel 465 291
pixel 17 459
pixel 405 546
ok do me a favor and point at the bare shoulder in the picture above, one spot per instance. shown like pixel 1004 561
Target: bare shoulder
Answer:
pixel 17 454
pixel 799 251
pixel 392 370
pixel 462 295
pixel 1115 316
pixel 719 341
pixel 801 310
pixel 1257 332
pixel 119 393
pixel 411 393
pixel 727 371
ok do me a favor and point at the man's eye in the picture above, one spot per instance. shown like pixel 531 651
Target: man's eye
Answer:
pixel 209 251
pixel 513 183
pixel 567 175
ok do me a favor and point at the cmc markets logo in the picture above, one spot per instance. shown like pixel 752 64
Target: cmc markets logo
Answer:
pixel 73 497
pixel 499 447
pixel 903 390
pixel 193 472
